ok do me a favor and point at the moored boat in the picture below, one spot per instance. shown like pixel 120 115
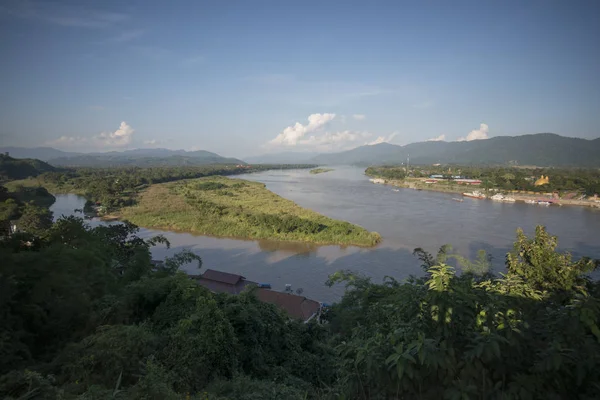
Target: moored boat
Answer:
pixel 475 195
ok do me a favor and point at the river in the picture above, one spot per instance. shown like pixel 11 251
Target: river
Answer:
pixel 406 219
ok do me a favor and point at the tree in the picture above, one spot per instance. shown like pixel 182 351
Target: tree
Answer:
pixel 35 220
pixel 538 263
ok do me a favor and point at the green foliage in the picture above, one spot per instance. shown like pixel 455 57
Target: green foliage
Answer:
pixel 536 262
pixel 35 220
pixel 210 186
pixel 449 336
pixel 233 208
pixel 86 315
pixel 566 181
pixel 13 168
pixel 118 187
pixel 320 170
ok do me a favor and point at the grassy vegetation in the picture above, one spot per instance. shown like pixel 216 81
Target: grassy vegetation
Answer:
pixel 52 187
pixel 320 170
pixel 226 207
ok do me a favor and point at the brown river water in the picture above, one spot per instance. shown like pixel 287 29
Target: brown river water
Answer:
pixel 406 219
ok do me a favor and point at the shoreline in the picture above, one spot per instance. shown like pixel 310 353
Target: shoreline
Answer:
pixel 519 197
pixel 238 209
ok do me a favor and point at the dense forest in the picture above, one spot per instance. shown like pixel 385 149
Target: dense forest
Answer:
pixel 581 180
pixel 85 315
pixel 28 206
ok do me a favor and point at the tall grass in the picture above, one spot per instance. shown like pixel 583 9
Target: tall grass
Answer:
pixel 241 209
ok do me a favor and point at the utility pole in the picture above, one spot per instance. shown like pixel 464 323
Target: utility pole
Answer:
pixel 407 164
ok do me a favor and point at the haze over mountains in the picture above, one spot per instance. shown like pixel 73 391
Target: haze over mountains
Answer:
pixel 136 157
pixel 543 149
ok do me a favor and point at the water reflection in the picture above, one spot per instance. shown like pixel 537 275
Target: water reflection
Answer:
pixel 406 219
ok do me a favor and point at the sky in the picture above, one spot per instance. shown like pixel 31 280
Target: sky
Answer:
pixel 243 78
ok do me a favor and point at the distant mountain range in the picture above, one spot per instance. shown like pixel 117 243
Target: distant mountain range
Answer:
pixel 137 157
pixel 542 149
pixel 282 158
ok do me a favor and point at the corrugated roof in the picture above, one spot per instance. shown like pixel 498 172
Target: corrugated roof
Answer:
pixel 225 277
pixel 296 306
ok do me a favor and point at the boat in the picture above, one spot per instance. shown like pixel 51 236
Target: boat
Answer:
pixel 377 180
pixel 543 203
pixel 455 199
pixel 475 195
pixel 530 201
pixel 395 190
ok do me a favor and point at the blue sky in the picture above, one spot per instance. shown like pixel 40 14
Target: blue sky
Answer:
pixel 249 77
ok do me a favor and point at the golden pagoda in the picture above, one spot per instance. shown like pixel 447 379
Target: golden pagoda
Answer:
pixel 544 180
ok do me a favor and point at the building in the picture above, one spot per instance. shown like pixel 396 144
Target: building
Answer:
pixel 298 307
pixel 475 182
pixel 222 282
pixel 544 180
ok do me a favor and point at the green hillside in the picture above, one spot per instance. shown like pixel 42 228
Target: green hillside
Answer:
pixel 14 168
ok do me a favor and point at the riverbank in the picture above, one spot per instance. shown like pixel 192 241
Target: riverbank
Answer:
pixel 419 184
pixel 320 170
pixel 235 208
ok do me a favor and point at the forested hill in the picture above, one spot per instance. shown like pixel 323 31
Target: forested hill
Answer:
pixel 12 168
pixel 137 157
pixel 543 149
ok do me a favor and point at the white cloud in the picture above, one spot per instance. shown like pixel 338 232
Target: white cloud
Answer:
pixel 382 139
pixel 477 134
pixel 359 117
pixel 440 138
pixel 119 138
pixel 68 141
pixel 292 135
pixel 313 136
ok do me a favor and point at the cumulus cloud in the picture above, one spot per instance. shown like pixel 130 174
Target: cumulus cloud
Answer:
pixel 119 138
pixel 382 139
pixel 476 134
pixel 359 117
pixel 292 135
pixel 440 138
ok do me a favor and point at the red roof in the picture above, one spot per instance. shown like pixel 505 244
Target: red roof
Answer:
pixel 224 277
pixel 296 306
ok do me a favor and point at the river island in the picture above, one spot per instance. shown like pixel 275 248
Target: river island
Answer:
pixel 236 208
pixel 320 170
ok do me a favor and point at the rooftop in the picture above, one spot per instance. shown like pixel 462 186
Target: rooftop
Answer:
pixel 296 306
